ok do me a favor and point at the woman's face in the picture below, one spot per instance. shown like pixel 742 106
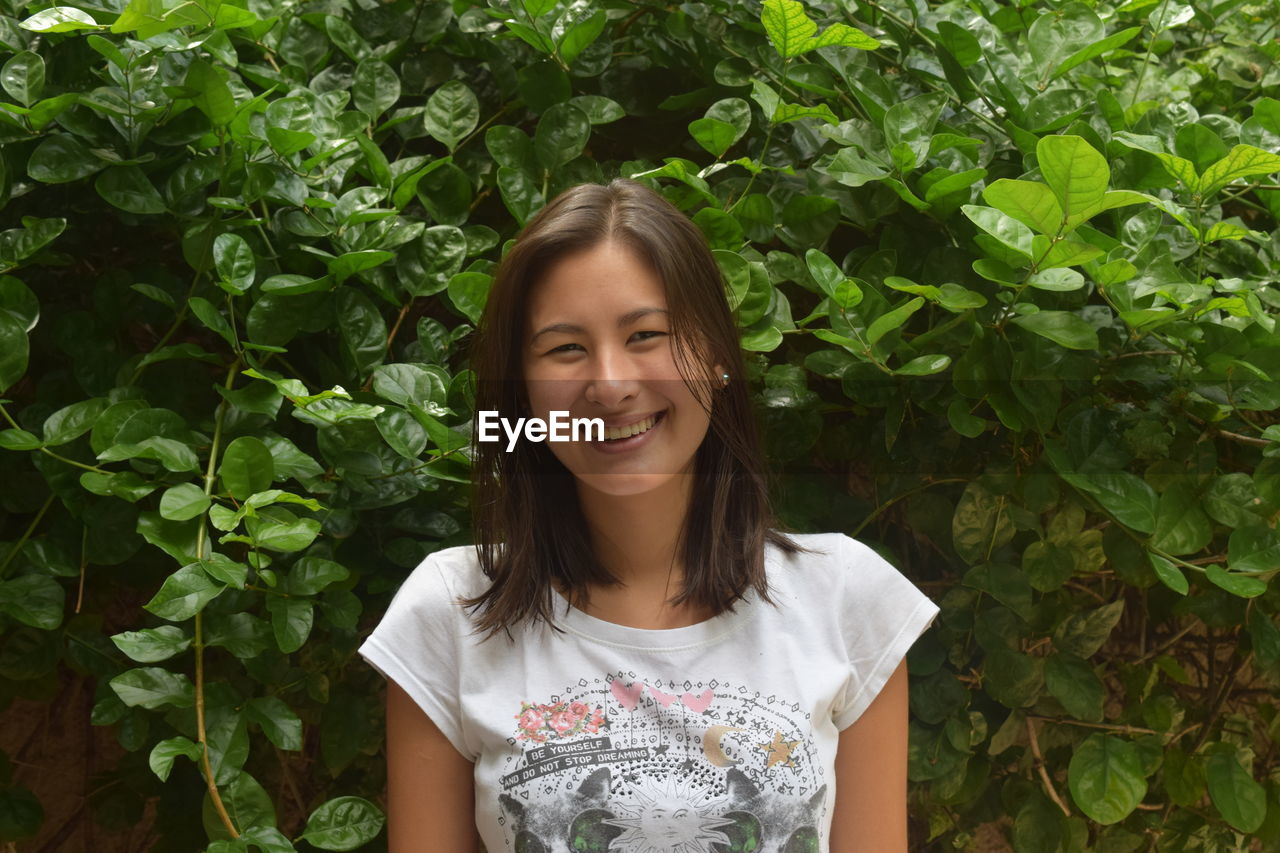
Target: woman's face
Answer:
pixel 597 344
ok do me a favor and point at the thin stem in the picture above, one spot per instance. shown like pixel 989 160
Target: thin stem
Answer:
pixel 198 641
pixel 26 534
pixel 1146 59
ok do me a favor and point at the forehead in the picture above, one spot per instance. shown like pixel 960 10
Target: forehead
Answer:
pixel 597 283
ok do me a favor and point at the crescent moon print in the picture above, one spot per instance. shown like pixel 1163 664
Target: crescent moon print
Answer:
pixel 646 765
pixel 711 745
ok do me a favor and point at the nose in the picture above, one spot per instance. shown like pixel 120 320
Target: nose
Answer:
pixel 613 379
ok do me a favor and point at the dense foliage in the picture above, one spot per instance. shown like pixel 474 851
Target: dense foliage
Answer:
pixel 1007 273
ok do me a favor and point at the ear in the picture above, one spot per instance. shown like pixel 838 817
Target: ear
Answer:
pixel 720 375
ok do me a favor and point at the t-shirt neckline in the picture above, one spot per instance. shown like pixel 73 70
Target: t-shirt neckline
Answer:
pixel 699 633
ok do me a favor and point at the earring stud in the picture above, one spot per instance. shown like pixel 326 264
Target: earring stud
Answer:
pixel 724 378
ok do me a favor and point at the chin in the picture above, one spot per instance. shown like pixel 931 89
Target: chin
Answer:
pixel 624 485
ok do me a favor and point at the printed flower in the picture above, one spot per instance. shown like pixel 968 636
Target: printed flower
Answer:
pixel 563 722
pixel 530 720
pixel 539 721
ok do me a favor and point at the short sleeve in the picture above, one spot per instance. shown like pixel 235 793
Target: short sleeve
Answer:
pixel 416 645
pixel 882 614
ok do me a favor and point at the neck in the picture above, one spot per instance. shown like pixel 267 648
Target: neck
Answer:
pixel 636 537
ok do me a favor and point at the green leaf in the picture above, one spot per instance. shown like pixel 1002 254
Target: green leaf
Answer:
pixel 1012 678
pixel 60 19
pixel 788 27
pixel 468 292
pixel 343 823
pixel 452 113
pixel 164 753
pixel 311 575
pixel 14 350
pixel 1169 574
pixel 1095 50
pixel 580 35
pixel 981 523
pixel 599 109
pixel 1181 525
pixel 851 169
pixel 910 123
pixel 278 721
pixel 891 320
pixel 1242 161
pixel 1084 632
pixel 70 422
pixel 924 365
pixel 212 318
pixel 795 112
pixel 1008 231
pixel 1073 682
pixel 531 36
pixel 712 134
pixel 183 502
pixel 152 687
pixel 184 594
pixel 1077 174
pixel 19 439
pixel 1105 777
pixel 151 645
pixel 1240 800
pixel 1244 586
pixel 212 95
pixel 962 44
pixel 1032 203
pixel 1253 548
pixel 1059 33
pixel 792 32
pixel 247 467
pixel 561 135
pixel 346 265
pixel 377 88
pixel 291 620
pixel 60 159
pixel 222 568
pixel 519 193
pixel 35 600
pixel 234 261
pixel 23 77
pixel 1061 327
pixel 128 188
pixel 173 455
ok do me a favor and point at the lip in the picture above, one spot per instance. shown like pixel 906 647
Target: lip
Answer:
pixel 628 420
pixel 635 442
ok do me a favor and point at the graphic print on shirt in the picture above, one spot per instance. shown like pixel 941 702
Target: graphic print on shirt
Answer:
pixel 622 764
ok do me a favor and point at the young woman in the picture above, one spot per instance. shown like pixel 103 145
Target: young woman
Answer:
pixel 632 658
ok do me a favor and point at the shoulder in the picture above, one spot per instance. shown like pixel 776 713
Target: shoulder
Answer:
pixel 840 561
pixel 825 552
pixel 442 576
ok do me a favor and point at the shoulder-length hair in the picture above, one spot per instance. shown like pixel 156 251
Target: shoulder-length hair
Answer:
pixel 528 526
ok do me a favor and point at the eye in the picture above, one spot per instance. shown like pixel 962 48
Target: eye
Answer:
pixel 647 335
pixel 565 347
pixel 562 348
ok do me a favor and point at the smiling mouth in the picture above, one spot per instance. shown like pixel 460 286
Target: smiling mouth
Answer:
pixel 617 435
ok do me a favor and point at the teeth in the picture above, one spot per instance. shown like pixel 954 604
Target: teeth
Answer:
pixel 615 433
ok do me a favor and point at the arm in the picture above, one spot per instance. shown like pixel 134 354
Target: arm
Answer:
pixel 871 775
pixel 430 786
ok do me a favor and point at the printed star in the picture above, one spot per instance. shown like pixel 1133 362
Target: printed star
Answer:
pixel 779 751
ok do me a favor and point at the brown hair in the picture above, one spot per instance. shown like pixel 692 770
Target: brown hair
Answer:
pixel 522 496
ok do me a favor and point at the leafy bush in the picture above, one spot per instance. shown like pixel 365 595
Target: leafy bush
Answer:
pixel 1007 271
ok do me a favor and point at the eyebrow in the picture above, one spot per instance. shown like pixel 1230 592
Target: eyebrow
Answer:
pixel 570 329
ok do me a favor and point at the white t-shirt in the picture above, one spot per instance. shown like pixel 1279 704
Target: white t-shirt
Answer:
pixel 614 738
